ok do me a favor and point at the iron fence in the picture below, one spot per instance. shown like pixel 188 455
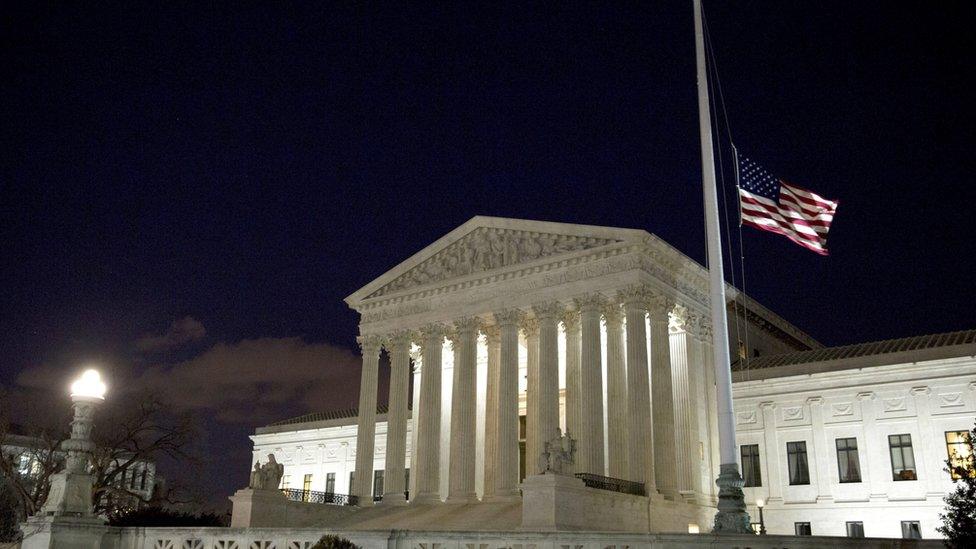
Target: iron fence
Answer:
pixel 612 484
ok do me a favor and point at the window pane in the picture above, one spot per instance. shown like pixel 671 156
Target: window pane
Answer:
pixel 802 528
pixel 797 458
pixel 751 472
pixel 855 529
pixel 848 466
pixel 958 450
pixel 910 529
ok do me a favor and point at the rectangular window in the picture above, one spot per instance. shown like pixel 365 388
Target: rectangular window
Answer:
pixel 902 457
pixel 959 450
pixel 750 465
pixel 378 485
pixel 802 528
pixel 855 529
pixel 306 487
pixel 796 453
pixel 848 466
pixel 330 483
pixel 352 482
pixel 406 483
pixel 911 529
pixel 285 481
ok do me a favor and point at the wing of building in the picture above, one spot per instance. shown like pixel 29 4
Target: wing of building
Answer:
pixel 505 334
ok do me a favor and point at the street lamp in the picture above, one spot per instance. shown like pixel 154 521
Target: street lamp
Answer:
pixel 762 523
pixel 71 489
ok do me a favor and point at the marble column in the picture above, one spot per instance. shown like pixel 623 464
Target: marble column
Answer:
pixel 547 315
pixel 822 450
pixel 640 440
pixel 773 474
pixel 464 417
pixel 685 355
pixel 427 458
pixel 533 438
pixel 418 362
pixel 932 446
pixel 493 339
pixel 662 398
pixel 394 476
pixel 617 413
pixel 571 323
pixel 590 446
pixel 366 426
pixel 875 449
pixel 507 447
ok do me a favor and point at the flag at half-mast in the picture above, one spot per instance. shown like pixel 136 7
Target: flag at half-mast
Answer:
pixel 771 204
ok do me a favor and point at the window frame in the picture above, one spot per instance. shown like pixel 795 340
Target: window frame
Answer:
pixel 900 476
pixel 857 524
pixel 755 466
pixel 964 443
pixel 909 523
pixel 378 478
pixel 330 479
pixel 798 525
pixel 846 453
pixel 790 452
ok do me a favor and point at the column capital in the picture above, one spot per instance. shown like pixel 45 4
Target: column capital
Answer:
pixel 866 395
pixel 767 405
pixel 635 294
pixel 530 326
pixel 398 340
pixel 466 325
pixel 613 314
pixel 549 310
pixel 432 332
pixel 370 344
pixel 493 334
pixel 659 304
pixel 590 302
pixel 507 317
pixel 571 321
pixel 815 400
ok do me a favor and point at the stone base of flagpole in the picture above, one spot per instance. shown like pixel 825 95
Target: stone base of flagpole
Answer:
pixel 732 517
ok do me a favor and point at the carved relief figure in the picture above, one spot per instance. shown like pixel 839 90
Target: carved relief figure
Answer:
pixel 558 455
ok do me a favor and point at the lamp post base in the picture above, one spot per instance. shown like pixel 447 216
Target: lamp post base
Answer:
pixel 732 517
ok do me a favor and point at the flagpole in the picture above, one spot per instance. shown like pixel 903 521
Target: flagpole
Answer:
pixel 731 516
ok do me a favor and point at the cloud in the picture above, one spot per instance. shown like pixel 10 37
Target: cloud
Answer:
pixel 180 332
pixel 257 381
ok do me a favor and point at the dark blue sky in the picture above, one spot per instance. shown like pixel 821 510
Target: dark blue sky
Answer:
pixel 249 166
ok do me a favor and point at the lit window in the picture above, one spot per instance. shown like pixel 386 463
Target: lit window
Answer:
pixel 902 457
pixel 855 529
pixel 285 481
pixel 960 451
pixel 802 529
pixel 796 452
pixel 751 472
pixel 306 487
pixel 911 529
pixel 848 466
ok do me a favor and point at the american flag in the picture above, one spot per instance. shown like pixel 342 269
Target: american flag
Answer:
pixel 769 203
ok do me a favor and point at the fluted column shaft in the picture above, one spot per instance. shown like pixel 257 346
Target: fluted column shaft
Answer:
pixel 571 323
pixel 548 316
pixel 617 413
pixel 366 426
pixel 640 442
pixel 590 452
pixel 394 477
pixel 464 413
pixel 418 361
pixel 493 340
pixel 533 438
pixel 429 417
pixel 685 360
pixel 507 447
pixel 662 398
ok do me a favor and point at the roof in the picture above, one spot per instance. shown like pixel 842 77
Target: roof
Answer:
pixel 327 416
pixel 874 353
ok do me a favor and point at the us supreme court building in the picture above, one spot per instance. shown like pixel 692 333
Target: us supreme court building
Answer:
pixel 505 333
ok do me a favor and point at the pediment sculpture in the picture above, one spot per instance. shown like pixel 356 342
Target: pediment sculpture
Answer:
pixel 485 249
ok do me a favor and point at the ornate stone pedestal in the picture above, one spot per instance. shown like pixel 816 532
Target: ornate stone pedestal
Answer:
pixel 552 502
pixel 62 532
pixel 731 517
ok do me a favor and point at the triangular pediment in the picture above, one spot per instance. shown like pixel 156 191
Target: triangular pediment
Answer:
pixel 486 244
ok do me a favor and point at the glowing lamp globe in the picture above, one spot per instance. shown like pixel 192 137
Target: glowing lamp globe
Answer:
pixel 760 503
pixel 89 386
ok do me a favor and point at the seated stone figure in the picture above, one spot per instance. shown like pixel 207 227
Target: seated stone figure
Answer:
pixel 558 455
pixel 267 476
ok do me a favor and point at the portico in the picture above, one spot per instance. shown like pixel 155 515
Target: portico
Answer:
pixel 610 326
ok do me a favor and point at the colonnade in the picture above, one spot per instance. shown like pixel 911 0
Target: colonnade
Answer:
pixel 641 430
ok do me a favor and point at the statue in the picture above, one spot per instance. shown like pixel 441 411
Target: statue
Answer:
pixel 558 455
pixel 267 476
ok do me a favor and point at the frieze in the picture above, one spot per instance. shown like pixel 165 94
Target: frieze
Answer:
pixel 950 400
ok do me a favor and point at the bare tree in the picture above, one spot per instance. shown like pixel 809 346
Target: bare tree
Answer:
pixel 131 430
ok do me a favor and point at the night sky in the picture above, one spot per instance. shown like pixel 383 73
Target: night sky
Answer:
pixel 188 192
